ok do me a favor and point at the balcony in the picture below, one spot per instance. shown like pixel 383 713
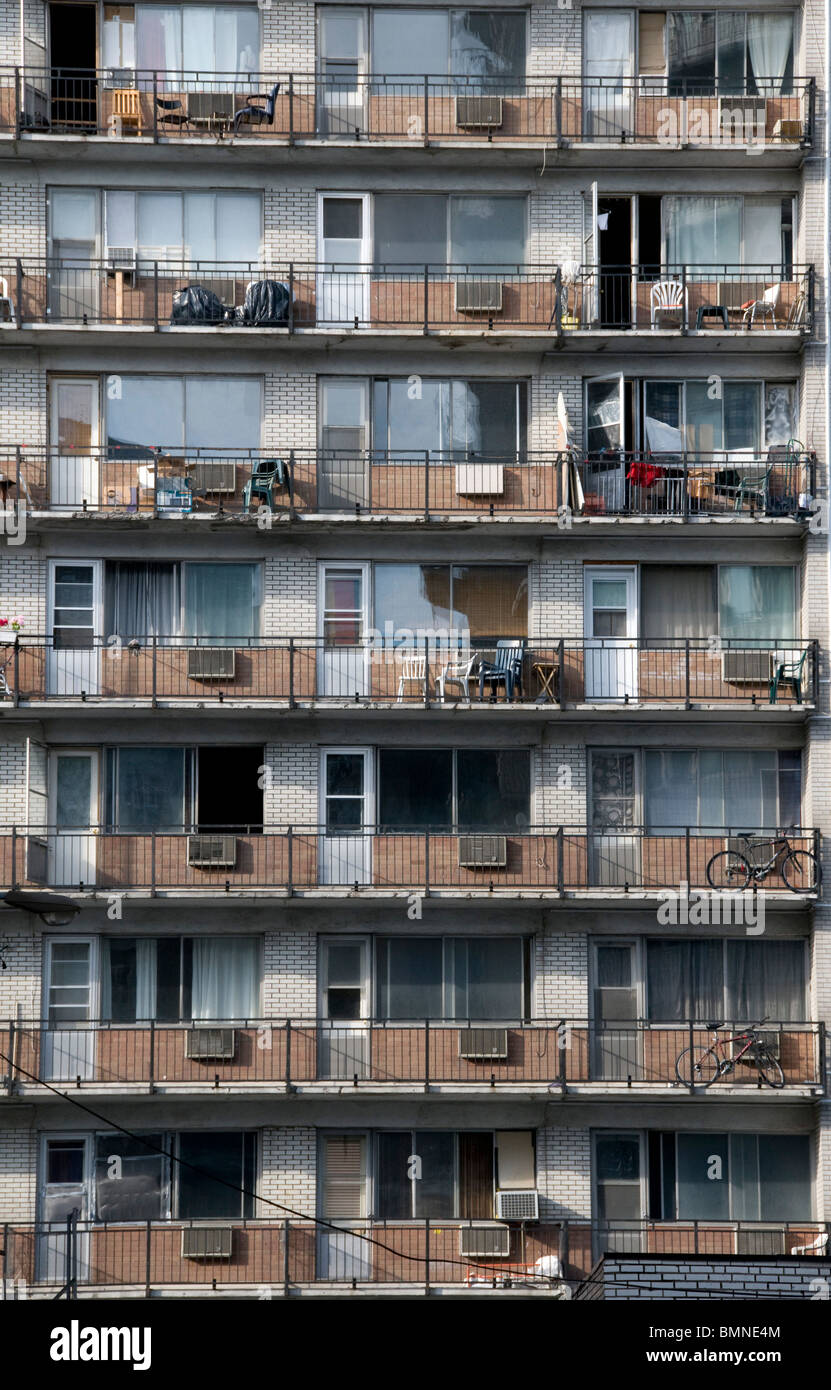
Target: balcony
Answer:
pixel 601 673
pixel 129 482
pixel 768 306
pixel 294 1257
pixel 544 862
pixel 571 1055
pixel 174 107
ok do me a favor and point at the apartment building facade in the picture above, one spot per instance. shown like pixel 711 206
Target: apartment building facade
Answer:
pixel 414 689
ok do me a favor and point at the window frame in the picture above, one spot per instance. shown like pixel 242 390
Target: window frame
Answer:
pixel 727 986
pixel 453 829
pixel 447 982
pixel 448 266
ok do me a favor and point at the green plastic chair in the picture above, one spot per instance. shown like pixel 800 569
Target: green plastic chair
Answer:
pixel 789 673
pixel 267 473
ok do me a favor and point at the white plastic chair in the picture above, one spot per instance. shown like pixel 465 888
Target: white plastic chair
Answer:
pixel 765 307
pixel 667 297
pixel 816 1247
pixel 413 671
pixel 6 304
pixel 458 671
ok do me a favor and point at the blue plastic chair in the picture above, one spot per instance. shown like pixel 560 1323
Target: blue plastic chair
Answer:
pixel 505 669
pixel 266 473
pixel 257 115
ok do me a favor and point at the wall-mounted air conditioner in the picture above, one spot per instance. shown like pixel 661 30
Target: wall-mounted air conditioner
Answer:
pixel 483 851
pixel 212 851
pixel 483 1044
pixel 479 111
pixel 207 1242
pixel 484 1240
pixel 211 663
pixel 480 479
pixel 211 1044
pixel 745 667
pixel 521 1205
pixel 213 477
pixel 121 258
pixel 478 296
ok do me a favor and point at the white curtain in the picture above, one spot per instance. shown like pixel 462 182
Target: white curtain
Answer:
pixel 145 978
pixel 769 41
pixel 704 234
pixel 225 978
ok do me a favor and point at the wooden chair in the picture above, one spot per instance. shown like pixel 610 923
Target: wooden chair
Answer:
pixel 127 108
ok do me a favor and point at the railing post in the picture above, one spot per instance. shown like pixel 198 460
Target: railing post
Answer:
pixel 291 297
pixel 558 110
pixel 291 108
pixel 426 111
pixel 19 279
pixel 292 512
pixel 286 1236
pixel 12 1042
pixel 292 701
pixel 18 105
pixel 686 857
pixel 561 887
pixel 426 305
pixel 563 1246
pixel 288 1055
pixel 692 1054
pixel 695 1237
pixel 426 862
pixel 426 484
pixel 6 1239
pixel 151 1062
pixel 814 672
pixel 152 863
pixel 684 310
pixel 154 673
pixel 426 1254
pixel 16 668
pixel 426 1054
pixel 822 1057
pixel 155 305
pixel 155 108
pixel 289 861
pixel 687 704
pixel 15 879
pixel 808 135
pixel 685 494
pixel 562 1034
pixel 811 288
pixel 561 679
pixel 148 1248
pixel 558 307
pixel 426 682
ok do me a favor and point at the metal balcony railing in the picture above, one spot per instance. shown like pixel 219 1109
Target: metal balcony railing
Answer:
pixel 174 482
pixel 79 1258
pixel 431 670
pixel 289 1053
pixel 754 300
pixel 169 105
pixel 607 858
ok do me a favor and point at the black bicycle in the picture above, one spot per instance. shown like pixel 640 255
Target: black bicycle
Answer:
pixel 799 868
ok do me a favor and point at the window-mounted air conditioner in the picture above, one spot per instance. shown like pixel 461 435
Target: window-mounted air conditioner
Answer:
pixel 484 1044
pixel 212 851
pixel 745 667
pixel 211 663
pixel 213 477
pixel 483 851
pixel 121 258
pixel 482 112
pixel 484 1240
pixel 518 1206
pixel 207 1242
pixel 480 479
pixel 769 1242
pixel 478 296
pixel 211 1044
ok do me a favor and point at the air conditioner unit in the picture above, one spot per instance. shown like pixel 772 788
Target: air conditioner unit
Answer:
pixel 484 1240
pixel 745 667
pixel 213 477
pixel 480 479
pixel 207 1242
pixel 211 1044
pixel 212 851
pixel 478 296
pixel 479 111
pixel 771 1041
pixel 769 1242
pixel 518 1206
pixel 121 257
pixel 484 1044
pixel 483 851
pixel 211 663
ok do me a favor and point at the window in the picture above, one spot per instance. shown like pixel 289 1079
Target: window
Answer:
pixel 417 229
pixel 470 43
pixel 222 601
pixel 617 1159
pixel 147 413
pixel 757 602
pixel 213 1167
pixel 119 37
pixel 130 1178
pixel 204 38
pixel 170 790
pixel 746 605
pixel 171 979
pixel 70 985
pixel 742 1177
pixel 449 417
pixel 206 227
pixel 455 603
pixel 452 978
pixel 709 789
pixel 739 980
pixel 742 417
pixel 748 53
pixel 443 790
pixel 719 234
pixel 145 599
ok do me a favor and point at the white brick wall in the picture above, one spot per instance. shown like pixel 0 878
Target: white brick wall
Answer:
pixel 561 976
pixel 555 40
pixel 288 35
pixel 22 221
pixel 20 981
pixel 13 797
pixel 290 412
pixel 289 218
pixel 22 406
pixel 18 1166
pixel 558 778
pixel 23 587
pixel 291 793
pixel 564 1173
pixel 290 607
pixel 555 598
pixel 290 975
pixel 288 1170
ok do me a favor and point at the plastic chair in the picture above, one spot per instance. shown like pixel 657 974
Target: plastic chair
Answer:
pixel 667 297
pixel 257 115
pixel 459 670
pixel 267 474
pixel 171 112
pixel 413 672
pixel 789 672
pixel 505 669
pixel 753 488
pixel 765 307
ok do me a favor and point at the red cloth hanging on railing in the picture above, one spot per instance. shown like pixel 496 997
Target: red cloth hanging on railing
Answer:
pixel 644 474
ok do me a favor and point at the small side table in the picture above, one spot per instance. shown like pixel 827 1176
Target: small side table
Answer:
pixel 548 677
pixel 711 311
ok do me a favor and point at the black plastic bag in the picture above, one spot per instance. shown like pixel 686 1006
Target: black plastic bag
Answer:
pixel 266 303
pixel 195 304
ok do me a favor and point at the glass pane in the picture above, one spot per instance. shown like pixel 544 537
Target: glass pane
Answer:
pixel 487 43
pixel 757 602
pixel 343 219
pixel 685 980
pixel 73 792
pixel 341 34
pixel 488 978
pixel 744 1176
pixel 485 418
pixel 731 52
pixel 239 227
pixel 494 789
pixel 198 38
pixel 766 979
pixel 150 789
pixel 617 1161
pixel 237 40
pixel 159 37
pixel 785 1177
pixel 750 790
pixel 222 413
pixel 222 601
pixel 394 1187
pixel 614 967
pixel 416 789
pixel 670 790
pixel 490 602
pixel 435 1189
pixel 763 233
pixel 219 1156
pixel 410 43
pixel 608 593
pixel 64 1163
pixel 128 1178
pixel 704 419
pixel 160 226
pixel 419 417
pixel 345 774
pixel 412 601
pixel 678 601
pixel 410 229
pixel 121 219
pixel 344 963
pixel 409 982
pixel 487 232
pixel 603 415
pixel 74 216
pixel 780 414
pixel 144 412
pixel 703 1177
pixel 691 52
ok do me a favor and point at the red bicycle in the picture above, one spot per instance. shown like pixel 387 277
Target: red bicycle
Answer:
pixel 696 1068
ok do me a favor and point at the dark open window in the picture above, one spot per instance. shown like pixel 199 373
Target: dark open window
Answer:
pixel 214 1167
pixel 442 790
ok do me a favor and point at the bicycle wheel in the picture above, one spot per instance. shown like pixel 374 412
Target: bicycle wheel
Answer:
pixel 728 870
pixel 770 1070
pixel 801 871
pixel 695 1068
